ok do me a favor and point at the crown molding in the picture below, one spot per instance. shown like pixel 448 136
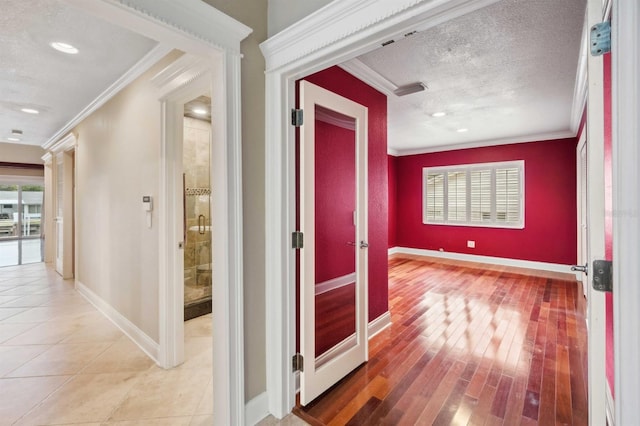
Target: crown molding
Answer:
pixel 68 143
pixel 486 143
pixel 363 72
pixel 185 20
pixel 47 158
pixel 345 22
pixel 127 78
pixel 179 73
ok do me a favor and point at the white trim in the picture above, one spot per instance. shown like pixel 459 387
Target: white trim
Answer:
pixel 68 143
pixel 180 73
pixel 188 25
pixel 394 250
pixel 338 32
pixel 393 152
pixel 363 72
pixel 540 137
pixel 581 86
pixel 127 78
pixel 502 261
pixel 335 283
pixel 610 407
pixel 256 409
pixel 137 336
pixel 379 324
pixel 626 207
pixel 596 317
pixel 357 26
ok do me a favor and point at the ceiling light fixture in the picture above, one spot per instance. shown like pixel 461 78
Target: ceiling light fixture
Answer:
pixel 199 111
pixel 14 139
pixel 409 89
pixel 64 47
pixel 462 130
pixel 30 111
pixel 439 114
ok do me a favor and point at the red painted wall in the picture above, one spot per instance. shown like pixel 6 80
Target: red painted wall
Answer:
pixel 335 175
pixel 550 204
pixel 392 200
pixel 339 81
pixel 608 219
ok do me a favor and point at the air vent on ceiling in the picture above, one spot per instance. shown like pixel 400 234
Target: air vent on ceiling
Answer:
pixel 409 89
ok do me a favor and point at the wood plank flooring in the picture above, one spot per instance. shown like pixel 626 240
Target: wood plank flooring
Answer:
pixel 469 344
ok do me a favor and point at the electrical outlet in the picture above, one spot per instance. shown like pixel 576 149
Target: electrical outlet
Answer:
pixel 471 244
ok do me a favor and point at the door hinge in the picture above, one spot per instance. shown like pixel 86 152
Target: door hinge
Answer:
pixel 297 240
pixel 603 275
pixel 297 117
pixel 601 38
pixel 298 363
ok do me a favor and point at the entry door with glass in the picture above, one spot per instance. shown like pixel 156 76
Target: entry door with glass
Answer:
pixel 20 223
pixel 333 222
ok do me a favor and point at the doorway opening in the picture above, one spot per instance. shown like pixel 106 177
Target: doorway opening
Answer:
pixel 20 223
pixel 196 162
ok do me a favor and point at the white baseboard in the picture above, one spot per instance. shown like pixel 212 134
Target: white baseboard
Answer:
pixel 379 324
pixel 140 338
pixel 610 407
pixel 335 283
pixel 256 409
pixel 517 263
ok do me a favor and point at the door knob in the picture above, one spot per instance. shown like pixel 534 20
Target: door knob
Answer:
pixel 579 268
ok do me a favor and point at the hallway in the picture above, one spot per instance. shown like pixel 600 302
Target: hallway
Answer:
pixel 63 362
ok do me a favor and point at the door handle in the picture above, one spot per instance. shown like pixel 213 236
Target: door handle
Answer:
pixel 364 244
pixel 579 268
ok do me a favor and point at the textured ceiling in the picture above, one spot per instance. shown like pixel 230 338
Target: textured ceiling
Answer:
pixel 34 75
pixel 505 71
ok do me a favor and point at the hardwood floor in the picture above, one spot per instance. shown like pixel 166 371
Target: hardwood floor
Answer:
pixel 469 344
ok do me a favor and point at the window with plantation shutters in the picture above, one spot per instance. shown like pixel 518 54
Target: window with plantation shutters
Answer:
pixel 486 194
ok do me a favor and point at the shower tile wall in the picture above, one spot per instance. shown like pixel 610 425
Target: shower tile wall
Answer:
pixel 197 252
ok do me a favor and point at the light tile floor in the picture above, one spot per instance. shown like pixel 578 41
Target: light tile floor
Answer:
pixel 63 362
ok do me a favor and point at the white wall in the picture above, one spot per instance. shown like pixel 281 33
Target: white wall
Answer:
pixel 117 162
pixel 283 13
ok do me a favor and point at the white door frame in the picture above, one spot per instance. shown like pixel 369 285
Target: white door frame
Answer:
pixel 199 29
pixel 338 32
pixel 626 208
pixel 63 153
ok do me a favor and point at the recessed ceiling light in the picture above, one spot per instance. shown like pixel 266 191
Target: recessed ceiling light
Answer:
pixel 30 111
pixel 64 47
pixel 462 130
pixel 199 111
pixel 14 139
pixel 439 114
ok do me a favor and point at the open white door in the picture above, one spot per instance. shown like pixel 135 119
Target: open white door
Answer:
pixel 333 220
pixel 583 233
